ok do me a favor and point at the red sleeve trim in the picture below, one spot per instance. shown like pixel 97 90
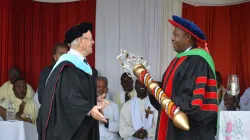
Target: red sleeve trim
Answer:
pixel 201 79
pixel 209 107
pixel 198 102
pixel 211 82
pixel 211 95
pixel 199 91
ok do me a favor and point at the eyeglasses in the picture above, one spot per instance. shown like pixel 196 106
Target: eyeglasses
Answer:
pixel 91 39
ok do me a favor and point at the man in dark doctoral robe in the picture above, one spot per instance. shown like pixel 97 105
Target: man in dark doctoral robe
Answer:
pixel 190 82
pixel 68 110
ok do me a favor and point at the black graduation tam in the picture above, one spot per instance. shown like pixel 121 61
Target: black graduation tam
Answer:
pixel 189 27
pixel 77 31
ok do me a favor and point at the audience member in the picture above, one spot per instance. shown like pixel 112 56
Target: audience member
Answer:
pixel 6 91
pixel 128 90
pixel 245 100
pixel 109 130
pixel 138 118
pixel 25 108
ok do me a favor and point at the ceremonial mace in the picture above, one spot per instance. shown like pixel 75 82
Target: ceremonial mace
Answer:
pixel 135 65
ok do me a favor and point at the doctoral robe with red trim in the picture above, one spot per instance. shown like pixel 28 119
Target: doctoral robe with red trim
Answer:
pixel 190 83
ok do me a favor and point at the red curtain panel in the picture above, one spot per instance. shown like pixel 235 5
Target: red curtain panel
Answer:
pixel 30 29
pixel 228 36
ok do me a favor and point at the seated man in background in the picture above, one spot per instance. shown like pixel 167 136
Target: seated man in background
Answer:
pixel 6 91
pixel 58 50
pixel 25 108
pixel 231 103
pixel 128 90
pixel 138 118
pixel 109 130
pixel 245 100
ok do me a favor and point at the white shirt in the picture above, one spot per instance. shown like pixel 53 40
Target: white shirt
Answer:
pixel 126 129
pixel 77 54
pixel 80 56
pixel 188 49
pixel 119 98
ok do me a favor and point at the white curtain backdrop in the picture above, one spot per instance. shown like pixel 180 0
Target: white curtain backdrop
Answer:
pixel 138 26
pixel 171 7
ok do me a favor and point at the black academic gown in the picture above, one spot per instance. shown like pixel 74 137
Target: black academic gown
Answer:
pixel 42 81
pixel 70 95
pixel 191 84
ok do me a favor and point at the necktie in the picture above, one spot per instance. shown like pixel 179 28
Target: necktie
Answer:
pixel 85 61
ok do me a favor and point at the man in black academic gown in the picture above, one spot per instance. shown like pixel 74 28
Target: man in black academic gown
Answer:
pixel 190 82
pixel 68 110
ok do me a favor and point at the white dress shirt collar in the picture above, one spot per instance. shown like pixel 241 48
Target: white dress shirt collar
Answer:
pixel 188 49
pixel 77 54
